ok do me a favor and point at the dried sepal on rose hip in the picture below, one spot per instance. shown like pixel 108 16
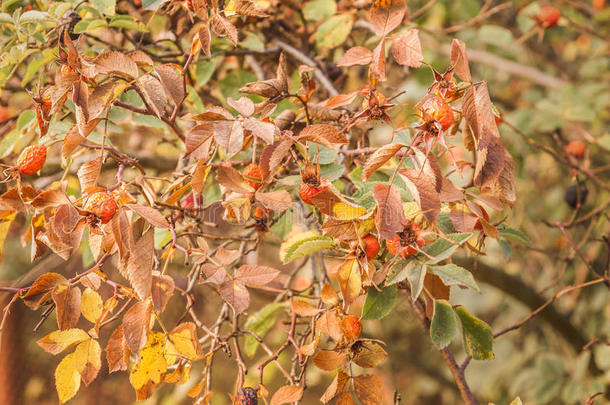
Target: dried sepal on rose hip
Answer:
pixel 311 183
pixel 102 204
pixel 406 242
pixel 351 327
pixel 253 175
pixel 32 159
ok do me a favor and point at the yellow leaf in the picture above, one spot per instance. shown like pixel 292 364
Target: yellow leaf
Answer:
pixel 4 227
pixel 350 280
pixel 67 378
pixel 60 340
pixel 347 212
pixel 91 305
pixel 185 341
pixel 88 360
pixel 152 365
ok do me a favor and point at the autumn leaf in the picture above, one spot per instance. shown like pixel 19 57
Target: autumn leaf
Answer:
pixel 235 293
pixel 140 264
pixel 422 189
pixel 60 340
pixel 390 215
pixel 152 365
pixel 171 78
pixel 150 214
pixel 41 289
pixel 385 16
pixel 67 378
pixel 304 244
pixel 136 323
pixel 279 200
pixel 117 353
pixel 162 290
pixel 233 180
pixel 91 305
pixel 272 156
pixel 323 134
pixel 116 63
pixel 256 275
pixel 88 173
pixel 336 387
pixel 350 280
pixel 379 158
pixel 87 360
pixel 286 395
pixel 406 49
pixel 329 360
pixel 67 302
pixel 185 341
pixel 459 60
pixel 356 55
pixel 368 389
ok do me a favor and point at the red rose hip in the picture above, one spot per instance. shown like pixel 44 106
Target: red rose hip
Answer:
pixel 32 159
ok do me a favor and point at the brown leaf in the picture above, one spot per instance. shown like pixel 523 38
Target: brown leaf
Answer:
pixel 140 264
pixel 379 158
pixel 490 160
pixel 89 173
pixel 234 293
pixel 198 140
pixel 329 295
pixel 223 27
pixel 275 200
pixel 136 323
pixel 385 16
pixel 243 105
pixel 304 309
pixel 162 290
pixel 462 221
pixel 255 275
pixel 172 79
pixel 324 134
pixel 263 130
pixel 80 98
pixel 154 93
pixel 41 289
pixel 140 58
pixel 390 214
pixel 377 69
pixel 341 100
pixel 247 7
pixel 225 257
pixel 429 166
pixel 200 174
pixel 328 360
pixel 67 303
pixel 504 186
pixel 335 387
pixel 450 193
pixel 117 353
pixel 459 60
pixel 406 49
pixel 214 274
pixel 50 199
pixel 229 135
pixel 349 277
pixel 422 189
pixel 118 63
pixel 287 394
pixel 345 399
pixel 152 215
pixel 328 323
pixel 368 355
pixel 233 180
pixel 205 37
pixel 368 389
pixel 64 231
pixel 437 289
pixel 357 55
pixel 273 155
pixel 266 88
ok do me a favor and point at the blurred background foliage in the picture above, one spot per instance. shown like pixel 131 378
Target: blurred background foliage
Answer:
pixel 551 90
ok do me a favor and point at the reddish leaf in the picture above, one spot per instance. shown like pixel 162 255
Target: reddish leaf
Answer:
pixel 198 140
pixel 275 200
pixel 272 156
pixel 377 69
pixel 255 275
pixel 88 173
pixel 422 189
pixel 172 80
pixel 368 389
pixel 150 214
pixel 358 55
pixel 117 353
pixel 162 290
pixel 229 135
pixel 379 158
pixel 263 130
pixel 243 105
pixel 459 60
pixel 117 63
pixel 406 49
pixel 233 180
pixel 323 134
pixel 67 303
pixel 390 214
pixel 136 323
pixel 247 7
pixel 234 293
pixel 140 264
pixel 386 15
pixel 223 27
pixel 341 100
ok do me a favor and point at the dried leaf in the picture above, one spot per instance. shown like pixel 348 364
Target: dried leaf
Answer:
pixel 247 7
pixel 233 180
pixel 117 353
pixel 304 309
pixel 459 60
pixel 162 290
pixel 234 293
pixel 287 394
pixel 88 360
pixel 368 389
pixel 386 15
pixel 89 173
pixel 140 264
pixel 117 63
pixel 263 130
pixel 328 360
pixel 152 215
pixel 223 27
pixel 67 303
pixel 185 341
pixel 357 55
pixel 377 69
pixel 136 323
pixel 275 200
pixel 406 49
pixel 154 93
pixel 272 156
pixel 60 340
pixel 350 280
pixel 41 289
pixel 255 275
pixel 243 106
pixel 422 188
pixel 335 387
pixel 379 158
pixel 198 140
pixel 324 134
pixel 229 135
pixel 390 215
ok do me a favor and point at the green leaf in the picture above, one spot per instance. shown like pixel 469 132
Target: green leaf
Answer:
pixel 260 322
pixel 478 338
pixel 515 235
pixel 412 271
pixel 334 31
pixel 105 6
pixel 304 244
pixel 152 4
pixel 452 274
pixel 127 22
pixel 318 10
pixel 443 248
pixel 444 324
pixel 378 304
pixel 25 119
